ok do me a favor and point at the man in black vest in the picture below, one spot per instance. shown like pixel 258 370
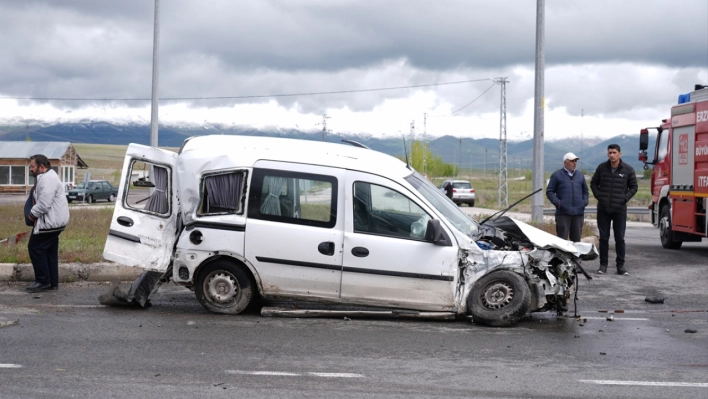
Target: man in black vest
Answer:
pixel 613 185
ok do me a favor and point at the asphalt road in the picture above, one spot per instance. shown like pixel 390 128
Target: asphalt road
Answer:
pixel 66 345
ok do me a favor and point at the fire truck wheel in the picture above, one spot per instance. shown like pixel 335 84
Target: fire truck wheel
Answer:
pixel 667 236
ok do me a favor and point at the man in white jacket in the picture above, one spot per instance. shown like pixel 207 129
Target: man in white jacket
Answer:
pixel 50 215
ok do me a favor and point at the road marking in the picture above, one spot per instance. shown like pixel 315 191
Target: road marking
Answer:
pixel 277 373
pixel 69 306
pixel 338 375
pixel 10 366
pixel 617 318
pixel 288 374
pixel 648 383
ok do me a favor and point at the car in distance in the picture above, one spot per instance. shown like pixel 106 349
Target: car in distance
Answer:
pixel 462 191
pixel 94 190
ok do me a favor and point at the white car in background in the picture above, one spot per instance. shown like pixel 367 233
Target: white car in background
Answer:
pixel 462 191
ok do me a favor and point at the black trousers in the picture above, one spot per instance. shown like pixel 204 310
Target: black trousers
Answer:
pixel 619 224
pixel 44 252
pixel 570 226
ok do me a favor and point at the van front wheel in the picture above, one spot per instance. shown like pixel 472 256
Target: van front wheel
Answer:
pixel 223 287
pixel 499 299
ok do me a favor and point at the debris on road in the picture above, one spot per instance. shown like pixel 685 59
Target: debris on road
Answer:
pixel 690 331
pixel 8 323
pixel 654 299
pixel 286 312
pixel 610 317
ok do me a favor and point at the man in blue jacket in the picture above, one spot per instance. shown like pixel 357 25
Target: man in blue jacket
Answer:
pixel 568 192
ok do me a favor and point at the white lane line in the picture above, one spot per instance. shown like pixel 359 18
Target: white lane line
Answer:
pixel 70 306
pixel 10 366
pixel 278 373
pixel 617 318
pixel 288 374
pixel 648 383
pixel 337 375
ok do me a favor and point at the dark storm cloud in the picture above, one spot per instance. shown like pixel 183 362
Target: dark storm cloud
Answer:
pixel 103 49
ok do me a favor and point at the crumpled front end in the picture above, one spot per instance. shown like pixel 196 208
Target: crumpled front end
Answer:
pixel 514 268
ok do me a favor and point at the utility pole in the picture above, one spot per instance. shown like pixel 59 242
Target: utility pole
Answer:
pixel 503 193
pixel 425 145
pixel 155 76
pixel 539 104
pixel 462 161
pixel 324 126
pixel 411 139
pixel 582 114
pixel 485 162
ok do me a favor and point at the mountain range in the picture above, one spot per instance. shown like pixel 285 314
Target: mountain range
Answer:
pixel 464 152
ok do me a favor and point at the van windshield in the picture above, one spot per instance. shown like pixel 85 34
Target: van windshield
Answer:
pixel 447 208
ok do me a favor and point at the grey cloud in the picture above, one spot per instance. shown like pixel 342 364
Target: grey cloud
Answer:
pixel 99 49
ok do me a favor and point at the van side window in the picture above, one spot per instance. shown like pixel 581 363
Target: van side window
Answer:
pixel 380 210
pixel 149 189
pixel 222 193
pixel 293 197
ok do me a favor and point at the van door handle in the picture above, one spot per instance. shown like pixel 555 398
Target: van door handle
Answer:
pixel 326 248
pixel 125 221
pixel 360 252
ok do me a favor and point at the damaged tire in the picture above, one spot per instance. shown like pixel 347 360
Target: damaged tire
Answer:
pixel 499 299
pixel 223 287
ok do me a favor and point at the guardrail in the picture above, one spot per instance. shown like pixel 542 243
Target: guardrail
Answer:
pixel 636 210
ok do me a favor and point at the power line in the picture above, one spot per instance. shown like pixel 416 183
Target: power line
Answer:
pixel 468 104
pixel 248 97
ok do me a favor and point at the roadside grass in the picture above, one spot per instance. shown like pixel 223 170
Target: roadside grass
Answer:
pixel 85 237
pixel 82 241
pixel 105 161
pixel 487 188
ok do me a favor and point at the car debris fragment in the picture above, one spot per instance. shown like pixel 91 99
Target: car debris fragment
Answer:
pixel 8 323
pixel 654 299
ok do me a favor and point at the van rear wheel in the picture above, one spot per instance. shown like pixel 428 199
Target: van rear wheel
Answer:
pixel 223 287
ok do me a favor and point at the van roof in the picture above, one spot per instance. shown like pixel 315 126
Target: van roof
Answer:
pixel 245 151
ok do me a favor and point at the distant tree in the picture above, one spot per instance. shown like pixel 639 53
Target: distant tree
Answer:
pixel 434 165
pixel 647 173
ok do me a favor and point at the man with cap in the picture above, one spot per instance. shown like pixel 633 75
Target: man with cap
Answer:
pixel 568 192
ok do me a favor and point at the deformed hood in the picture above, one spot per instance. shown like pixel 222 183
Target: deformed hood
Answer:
pixel 541 239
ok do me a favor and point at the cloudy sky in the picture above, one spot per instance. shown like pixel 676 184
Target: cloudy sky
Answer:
pixel 612 67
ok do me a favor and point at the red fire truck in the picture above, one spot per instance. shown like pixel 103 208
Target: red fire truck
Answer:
pixel 679 181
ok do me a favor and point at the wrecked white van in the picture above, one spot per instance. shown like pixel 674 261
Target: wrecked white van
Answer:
pixel 235 218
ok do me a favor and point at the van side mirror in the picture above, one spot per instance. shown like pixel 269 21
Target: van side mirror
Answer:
pixel 643 139
pixel 434 233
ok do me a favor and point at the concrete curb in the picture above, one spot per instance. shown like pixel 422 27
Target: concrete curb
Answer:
pixel 71 272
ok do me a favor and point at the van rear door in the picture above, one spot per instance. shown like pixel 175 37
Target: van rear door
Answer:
pixel 144 223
